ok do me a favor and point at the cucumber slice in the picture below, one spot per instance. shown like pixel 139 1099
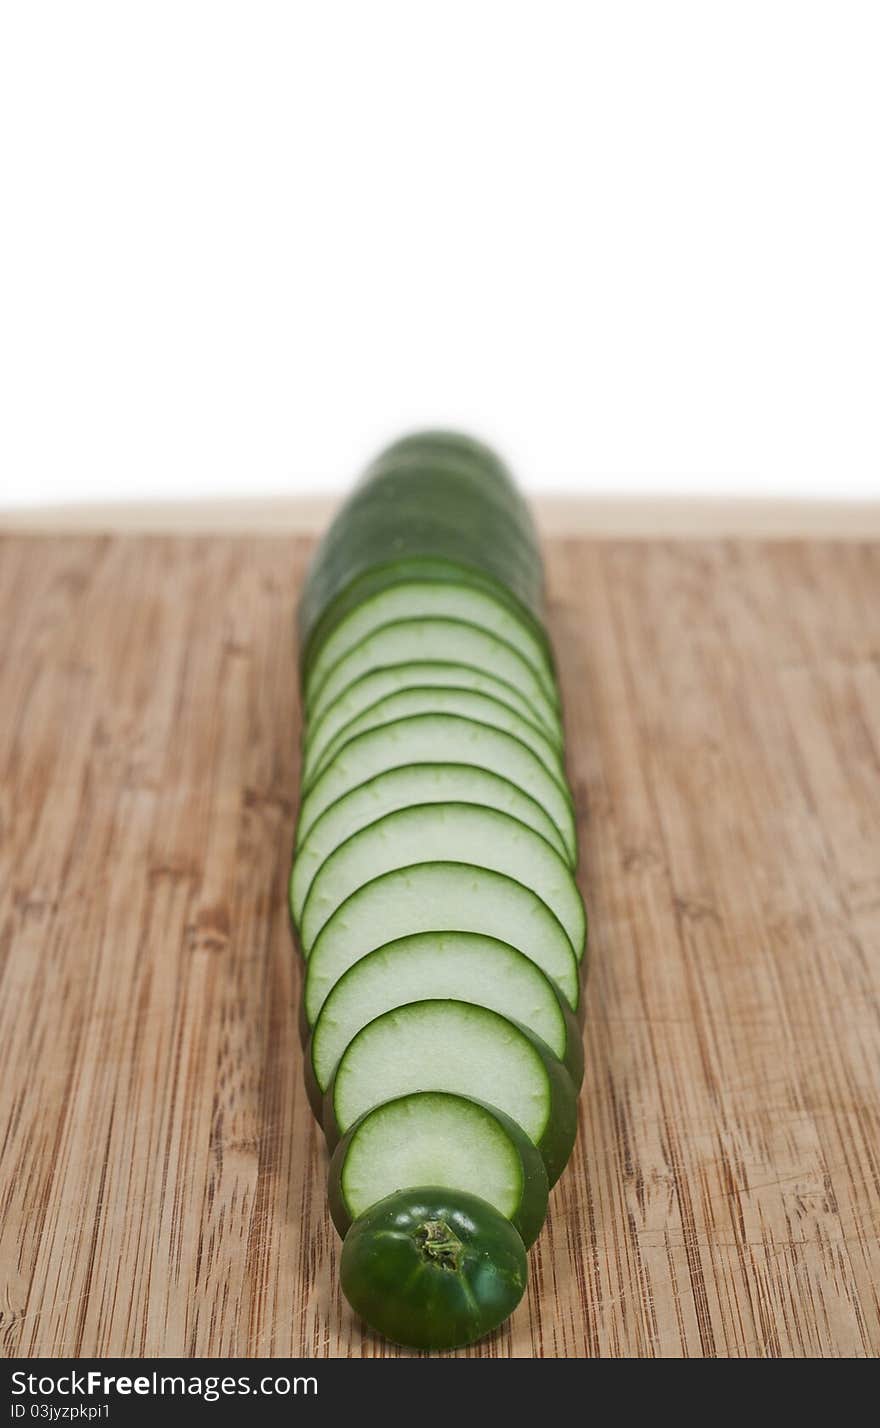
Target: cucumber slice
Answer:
pixel 437 522
pixel 438 833
pixel 430 449
pixel 438 639
pixel 436 964
pixel 421 599
pixel 402 788
pixel 436 499
pixel 433 1138
pixel 448 699
pixel 380 683
pixel 467 1050
pixel 445 494
pixel 426 513
pixel 439 897
pixel 414 570
pixel 439 738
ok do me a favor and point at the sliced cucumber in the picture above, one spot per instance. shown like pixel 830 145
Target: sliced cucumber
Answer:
pixel 390 573
pixel 456 641
pixel 419 525
pixel 379 684
pixel 403 788
pixel 433 502
pixel 468 1050
pixel 438 833
pixel 439 738
pixel 452 505
pixel 429 449
pixel 439 897
pixel 432 699
pixel 433 1138
pixel 438 965
pixel 420 599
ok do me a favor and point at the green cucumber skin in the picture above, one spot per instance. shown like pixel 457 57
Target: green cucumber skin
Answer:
pixel 388 1276
pixel 532 1212
pixel 557 1142
pixel 436 497
pixel 414 534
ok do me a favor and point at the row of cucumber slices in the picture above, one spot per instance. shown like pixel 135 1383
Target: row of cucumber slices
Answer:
pixel 433 890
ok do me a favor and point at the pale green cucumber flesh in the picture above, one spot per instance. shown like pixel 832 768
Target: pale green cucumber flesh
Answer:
pixel 316 626
pixel 464 1049
pixel 445 832
pixel 379 684
pixel 422 599
pixel 438 639
pixel 482 708
pixel 439 738
pixel 439 897
pixel 470 967
pixel 434 1138
pixel 419 783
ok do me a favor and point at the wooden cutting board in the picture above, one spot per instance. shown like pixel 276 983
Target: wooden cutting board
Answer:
pixel 162 1179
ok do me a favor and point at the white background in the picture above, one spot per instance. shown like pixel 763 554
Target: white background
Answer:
pixel 635 244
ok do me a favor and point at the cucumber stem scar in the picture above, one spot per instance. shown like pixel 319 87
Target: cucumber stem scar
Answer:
pixel 439 1243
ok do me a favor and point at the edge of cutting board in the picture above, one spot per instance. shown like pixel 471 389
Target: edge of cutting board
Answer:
pixel 596 517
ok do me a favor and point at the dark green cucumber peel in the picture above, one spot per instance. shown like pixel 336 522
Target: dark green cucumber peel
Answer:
pixel 412 503
pixel 413 528
pixel 433 1269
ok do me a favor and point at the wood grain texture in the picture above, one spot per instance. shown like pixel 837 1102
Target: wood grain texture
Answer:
pixel 162 1181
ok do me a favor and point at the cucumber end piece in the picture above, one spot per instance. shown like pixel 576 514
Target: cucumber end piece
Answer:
pixel 433 1270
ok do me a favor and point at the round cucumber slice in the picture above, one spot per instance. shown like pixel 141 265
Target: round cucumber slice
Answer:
pixel 439 897
pixel 435 965
pixel 414 570
pixel 434 499
pixel 455 641
pixel 434 1138
pixel 432 699
pixel 421 599
pixel 439 738
pixel 465 454
pixel 467 1050
pixel 380 684
pixel 402 788
pixel 435 521
pixel 446 832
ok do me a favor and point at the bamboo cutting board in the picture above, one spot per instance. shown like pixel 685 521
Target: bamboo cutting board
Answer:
pixel 162 1180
